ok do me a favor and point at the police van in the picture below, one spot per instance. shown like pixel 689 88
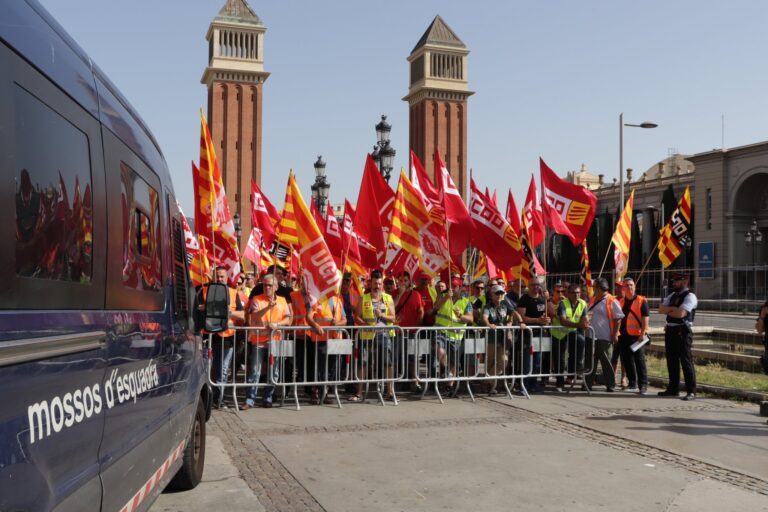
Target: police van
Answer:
pixel 103 394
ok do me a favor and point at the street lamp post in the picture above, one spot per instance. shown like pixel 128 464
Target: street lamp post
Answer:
pixel 621 154
pixel 238 228
pixel 383 153
pixel 754 237
pixel 321 186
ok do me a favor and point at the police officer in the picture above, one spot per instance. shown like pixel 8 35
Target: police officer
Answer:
pixel 680 308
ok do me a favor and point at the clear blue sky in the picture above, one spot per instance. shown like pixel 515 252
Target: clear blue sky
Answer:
pixel 550 79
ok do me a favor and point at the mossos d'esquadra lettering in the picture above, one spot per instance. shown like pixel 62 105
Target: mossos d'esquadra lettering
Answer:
pixel 63 411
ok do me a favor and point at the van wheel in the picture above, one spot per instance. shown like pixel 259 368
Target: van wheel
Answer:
pixel 191 471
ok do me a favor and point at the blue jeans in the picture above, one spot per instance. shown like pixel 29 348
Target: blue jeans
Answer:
pixel 259 354
pixel 223 350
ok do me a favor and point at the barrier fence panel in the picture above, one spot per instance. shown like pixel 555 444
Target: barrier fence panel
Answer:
pixel 288 359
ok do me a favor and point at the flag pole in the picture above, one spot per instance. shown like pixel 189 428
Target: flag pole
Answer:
pixel 647 261
pixel 607 252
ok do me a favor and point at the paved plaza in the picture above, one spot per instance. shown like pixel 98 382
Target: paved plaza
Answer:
pixel 554 452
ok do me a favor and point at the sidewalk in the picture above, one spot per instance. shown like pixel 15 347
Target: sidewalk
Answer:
pixel 553 452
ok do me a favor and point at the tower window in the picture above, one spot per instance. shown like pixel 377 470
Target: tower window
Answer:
pixel 417 70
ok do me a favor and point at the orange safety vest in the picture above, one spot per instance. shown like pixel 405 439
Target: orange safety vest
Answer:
pixel 232 307
pixel 328 313
pixel 609 299
pixel 634 320
pixel 299 309
pixel 274 315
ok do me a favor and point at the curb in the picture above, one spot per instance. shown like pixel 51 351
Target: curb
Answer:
pixel 720 392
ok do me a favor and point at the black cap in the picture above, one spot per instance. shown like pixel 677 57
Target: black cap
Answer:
pixel 680 275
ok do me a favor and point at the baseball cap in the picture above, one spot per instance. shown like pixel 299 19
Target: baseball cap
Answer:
pixel 497 289
pixel 456 281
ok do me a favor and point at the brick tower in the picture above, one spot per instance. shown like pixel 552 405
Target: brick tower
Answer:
pixel 437 99
pixel 235 78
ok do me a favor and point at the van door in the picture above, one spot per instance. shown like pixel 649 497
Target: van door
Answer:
pixel 139 378
pixel 52 261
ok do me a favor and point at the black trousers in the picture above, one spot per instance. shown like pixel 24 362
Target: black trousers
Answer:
pixel 634 362
pixel 677 344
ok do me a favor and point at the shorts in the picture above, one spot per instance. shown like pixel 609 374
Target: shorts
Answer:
pixel 380 349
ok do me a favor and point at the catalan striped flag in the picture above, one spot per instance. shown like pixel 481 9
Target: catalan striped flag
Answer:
pixel 622 237
pixel 673 235
pixel 409 216
pixel 586 274
pixel 200 267
pixel 481 267
pixel 287 231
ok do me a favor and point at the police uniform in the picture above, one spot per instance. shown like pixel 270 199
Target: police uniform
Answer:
pixel 678 339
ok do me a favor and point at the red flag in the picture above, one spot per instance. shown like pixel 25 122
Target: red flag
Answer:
pixel 532 216
pixel 318 217
pixel 333 235
pixel 252 250
pixel 567 208
pixel 374 213
pixel 264 215
pixel 420 180
pixel 456 212
pixel 492 233
pixel 349 243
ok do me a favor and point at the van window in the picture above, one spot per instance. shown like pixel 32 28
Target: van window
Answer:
pixel 54 224
pixel 141 232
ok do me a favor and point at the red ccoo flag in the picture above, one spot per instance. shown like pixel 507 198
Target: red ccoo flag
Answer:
pixel 567 208
pixel 492 234
pixel 532 220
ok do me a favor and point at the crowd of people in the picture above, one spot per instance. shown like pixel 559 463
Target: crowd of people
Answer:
pixel 563 334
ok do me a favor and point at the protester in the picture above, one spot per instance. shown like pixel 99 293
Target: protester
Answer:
pixel 376 308
pixel 532 309
pixel 496 314
pixel 572 319
pixel 409 313
pixel 760 326
pixel 478 298
pixel 268 311
pixel 303 356
pixel 222 343
pixel 606 317
pixel 452 311
pixel 282 291
pixel 325 313
pixel 680 308
pixel 633 329
pixel 428 296
pixel 349 298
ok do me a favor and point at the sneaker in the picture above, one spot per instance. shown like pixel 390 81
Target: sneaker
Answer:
pixel 689 397
pixel 559 389
pixel 643 391
pixel 631 389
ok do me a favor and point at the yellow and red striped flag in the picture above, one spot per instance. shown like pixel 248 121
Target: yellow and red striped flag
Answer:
pixel 212 216
pixel 622 238
pixel 409 216
pixel 287 232
pixel 676 231
pixel 318 269
pixel 586 274
pixel 481 267
pixel 200 267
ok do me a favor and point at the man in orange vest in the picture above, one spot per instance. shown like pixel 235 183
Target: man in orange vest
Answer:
pixel 633 329
pixel 222 343
pixel 325 313
pixel 605 317
pixel 268 312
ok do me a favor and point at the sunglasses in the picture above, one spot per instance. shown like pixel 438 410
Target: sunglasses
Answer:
pixel 480 287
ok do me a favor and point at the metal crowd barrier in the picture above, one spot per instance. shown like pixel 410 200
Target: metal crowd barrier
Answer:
pixel 444 358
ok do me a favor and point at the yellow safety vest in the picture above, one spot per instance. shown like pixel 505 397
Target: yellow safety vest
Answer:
pixel 370 318
pixel 572 316
pixel 446 317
